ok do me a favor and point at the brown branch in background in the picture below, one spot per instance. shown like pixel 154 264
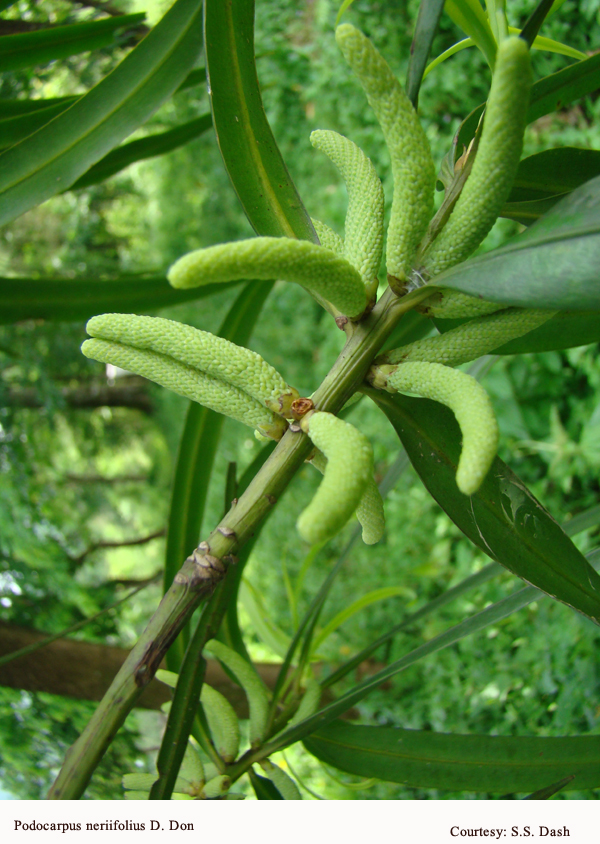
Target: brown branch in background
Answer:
pixel 85 670
pixel 102 479
pixel 117 543
pixel 134 396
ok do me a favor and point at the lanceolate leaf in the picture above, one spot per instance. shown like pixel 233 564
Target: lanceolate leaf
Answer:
pixel 70 299
pixel 14 129
pixel 263 787
pixel 547 95
pixel 430 12
pixel 535 20
pixel 11 108
pixel 504 764
pixel 143 148
pixel 554 264
pixel 56 155
pixel 249 150
pixel 470 17
pixel 197 449
pixel 58 42
pixel 564 331
pixel 502 518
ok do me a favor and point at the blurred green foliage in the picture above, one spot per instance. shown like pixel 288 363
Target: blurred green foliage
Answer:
pixel 536 672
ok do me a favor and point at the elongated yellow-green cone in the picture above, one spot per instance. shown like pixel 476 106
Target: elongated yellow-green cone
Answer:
pixel 468 401
pixel 363 238
pixel 451 304
pixel 222 722
pixel 328 238
pixel 313 266
pixel 370 507
pixel 256 692
pixel 284 784
pixel 472 339
pixel 347 472
pixel 201 350
pixel 413 169
pixel 188 382
pixel 496 161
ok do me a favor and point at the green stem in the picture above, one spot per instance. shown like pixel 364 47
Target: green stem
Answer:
pixel 206 566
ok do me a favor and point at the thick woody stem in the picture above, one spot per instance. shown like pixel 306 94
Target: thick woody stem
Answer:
pixel 207 565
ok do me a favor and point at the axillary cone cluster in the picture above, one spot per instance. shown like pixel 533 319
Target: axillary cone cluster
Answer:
pixel 343 272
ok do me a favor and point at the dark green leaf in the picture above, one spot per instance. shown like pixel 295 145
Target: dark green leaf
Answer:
pixel 554 264
pixel 427 23
pixel 141 149
pixel 565 330
pixel 196 77
pixel 527 213
pixel 502 518
pixel 458 762
pixel 583 521
pixel 535 21
pixel 14 129
pixel 249 150
pixel 412 327
pixel 553 172
pixel 547 95
pixel 50 160
pixel 58 42
pixel 11 108
pixel 69 299
pixel 263 787
pixel 197 449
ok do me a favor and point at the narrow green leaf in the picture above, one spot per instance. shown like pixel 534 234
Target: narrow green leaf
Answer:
pixel 493 764
pixel 361 603
pixel 142 149
pixel 412 327
pixel 11 108
pixel 55 156
pixel 451 51
pixel 547 95
pixel 70 299
pixel 196 77
pixel 263 787
pixel 14 129
pixel 58 42
pixel 267 630
pixel 470 17
pixel 249 150
pixel 428 19
pixel 549 45
pixel 197 449
pixel 553 264
pixel 583 521
pixel 549 791
pixel 502 518
pixel 535 20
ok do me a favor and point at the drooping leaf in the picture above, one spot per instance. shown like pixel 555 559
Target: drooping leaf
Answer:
pixel 142 149
pixel 428 19
pixel 69 299
pixel 547 95
pixel 249 150
pixel 502 518
pixel 565 330
pixel 54 157
pixel 424 759
pixel 43 45
pixel 197 450
pixel 554 264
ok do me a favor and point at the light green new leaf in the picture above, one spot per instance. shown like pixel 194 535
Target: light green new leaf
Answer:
pixel 58 42
pixel 502 517
pixel 470 17
pixel 54 157
pixel 365 601
pixel 424 759
pixel 554 264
